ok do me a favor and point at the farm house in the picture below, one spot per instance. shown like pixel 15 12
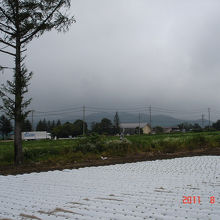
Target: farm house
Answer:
pixel 129 128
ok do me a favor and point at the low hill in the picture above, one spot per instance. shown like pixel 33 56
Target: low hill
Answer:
pixel 125 117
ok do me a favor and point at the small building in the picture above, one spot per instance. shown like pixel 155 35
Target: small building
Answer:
pixel 171 129
pixel 167 130
pixel 131 128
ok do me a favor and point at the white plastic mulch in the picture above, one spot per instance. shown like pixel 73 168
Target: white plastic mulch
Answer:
pixel 143 190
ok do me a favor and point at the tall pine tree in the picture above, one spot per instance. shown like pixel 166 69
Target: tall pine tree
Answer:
pixel 20 22
pixel 116 124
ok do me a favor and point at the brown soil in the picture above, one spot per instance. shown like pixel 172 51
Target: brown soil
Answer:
pixel 41 167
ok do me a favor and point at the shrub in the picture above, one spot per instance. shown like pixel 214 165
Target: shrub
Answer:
pixel 118 147
pixel 216 140
pixel 90 144
pixel 200 140
pixel 191 147
pixel 170 147
pixel 196 142
pixel 36 153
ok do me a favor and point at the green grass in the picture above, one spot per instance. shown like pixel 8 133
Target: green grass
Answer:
pixel 170 143
pixel 95 146
pixel 36 150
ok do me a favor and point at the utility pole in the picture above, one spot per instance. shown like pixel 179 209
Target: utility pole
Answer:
pixel 150 115
pixel 84 111
pixel 209 111
pixel 32 119
pixel 139 129
pixel 202 120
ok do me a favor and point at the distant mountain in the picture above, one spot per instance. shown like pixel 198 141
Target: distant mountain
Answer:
pixel 125 117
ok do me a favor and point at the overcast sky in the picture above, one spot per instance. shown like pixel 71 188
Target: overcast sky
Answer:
pixel 130 53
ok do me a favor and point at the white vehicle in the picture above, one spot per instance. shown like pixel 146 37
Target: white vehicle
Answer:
pixel 35 135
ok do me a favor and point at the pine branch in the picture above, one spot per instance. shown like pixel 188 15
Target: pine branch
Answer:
pixel 7 98
pixel 3 47
pixel 5 14
pixel 22 51
pixel 43 23
pixel 13 8
pixel 12 54
pixel 6 43
pixel 5 67
pixel 7 26
pixel 6 32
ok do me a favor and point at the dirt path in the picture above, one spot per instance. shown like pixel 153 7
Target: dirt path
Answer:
pixel 40 167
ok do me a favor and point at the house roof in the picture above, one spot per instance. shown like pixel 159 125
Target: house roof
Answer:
pixel 132 125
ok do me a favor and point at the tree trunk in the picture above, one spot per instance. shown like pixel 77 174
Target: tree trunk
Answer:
pixel 18 154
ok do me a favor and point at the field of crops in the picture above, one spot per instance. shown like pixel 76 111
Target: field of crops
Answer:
pixel 94 146
pixel 174 189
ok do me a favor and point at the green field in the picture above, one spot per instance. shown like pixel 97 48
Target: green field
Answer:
pixel 93 147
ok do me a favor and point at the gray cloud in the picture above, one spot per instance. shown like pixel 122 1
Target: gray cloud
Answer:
pixel 130 52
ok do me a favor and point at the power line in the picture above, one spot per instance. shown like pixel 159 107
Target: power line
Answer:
pixel 209 116
pixel 116 108
pixel 202 120
pixel 139 128
pixel 127 109
pixel 174 111
pixel 134 109
pixel 61 110
pixel 32 119
pixel 54 114
pixel 84 115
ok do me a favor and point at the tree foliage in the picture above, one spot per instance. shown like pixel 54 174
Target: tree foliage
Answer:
pixel 46 125
pixel 27 126
pixel 216 125
pixel 104 127
pixel 69 129
pixel 20 22
pixel 5 126
pixel 190 127
pixel 158 129
pixel 116 124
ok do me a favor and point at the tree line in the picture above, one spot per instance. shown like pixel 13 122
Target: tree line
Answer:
pixel 65 130
pixel 6 126
pixel 68 129
pixel 105 126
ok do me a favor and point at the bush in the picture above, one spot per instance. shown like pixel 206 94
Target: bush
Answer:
pixel 168 145
pixel 36 153
pixel 119 147
pixel 217 141
pixel 90 144
pixel 98 144
pixel 191 147
pixel 196 142
pixel 200 140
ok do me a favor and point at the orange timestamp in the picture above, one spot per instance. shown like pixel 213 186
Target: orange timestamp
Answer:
pixel 196 199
